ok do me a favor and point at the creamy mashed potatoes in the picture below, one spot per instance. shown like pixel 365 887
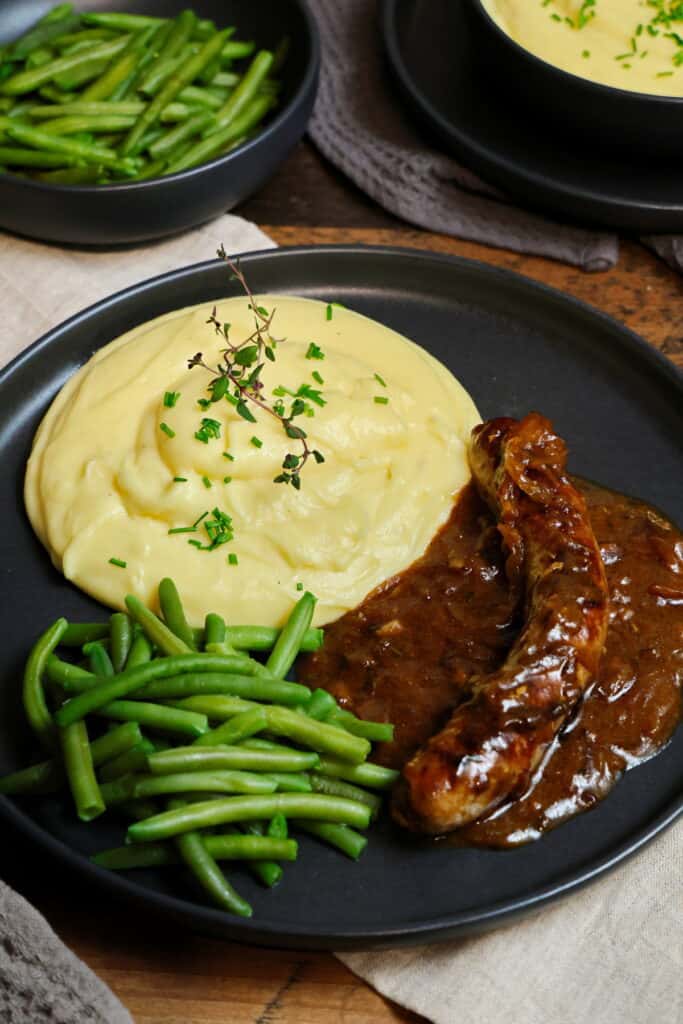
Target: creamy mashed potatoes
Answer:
pixel 630 44
pixel 101 480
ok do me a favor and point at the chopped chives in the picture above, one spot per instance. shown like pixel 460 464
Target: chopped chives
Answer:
pixel 206 482
pixel 232 558
pixel 227 455
pixel 257 442
pixel 299 586
pixel 314 352
pixel 167 430
pixel 317 378
pixel 381 400
pixel 179 479
pixel 170 398
pixel 380 380
pixel 118 562
pixel 328 312
pixel 183 529
pixel 227 479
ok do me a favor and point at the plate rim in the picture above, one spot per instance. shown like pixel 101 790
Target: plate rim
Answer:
pixel 493 162
pixel 440 928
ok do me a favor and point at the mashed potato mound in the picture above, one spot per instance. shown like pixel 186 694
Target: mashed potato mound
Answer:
pixel 101 480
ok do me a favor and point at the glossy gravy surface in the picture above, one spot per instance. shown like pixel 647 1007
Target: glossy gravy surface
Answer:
pixel 409 652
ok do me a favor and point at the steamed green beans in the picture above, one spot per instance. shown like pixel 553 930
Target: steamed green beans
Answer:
pixel 168 678
pixel 168 70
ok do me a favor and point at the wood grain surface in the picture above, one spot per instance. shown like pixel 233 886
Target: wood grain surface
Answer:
pixel 167 977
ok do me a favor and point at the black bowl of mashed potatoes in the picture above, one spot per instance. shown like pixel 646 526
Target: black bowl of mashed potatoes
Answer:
pixel 606 71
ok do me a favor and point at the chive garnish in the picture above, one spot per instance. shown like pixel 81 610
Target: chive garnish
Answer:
pixel 380 380
pixel 179 479
pixel 167 430
pixel 170 398
pixel 206 482
pixel 314 351
pixel 381 400
pixel 257 442
pixel 232 558
pixel 118 562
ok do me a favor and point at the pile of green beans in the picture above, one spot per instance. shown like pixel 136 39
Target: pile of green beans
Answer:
pixel 213 753
pixel 96 98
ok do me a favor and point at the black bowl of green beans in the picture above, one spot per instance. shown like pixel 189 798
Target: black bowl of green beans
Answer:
pixel 127 121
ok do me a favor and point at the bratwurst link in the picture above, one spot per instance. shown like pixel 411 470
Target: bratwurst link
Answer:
pixel 494 741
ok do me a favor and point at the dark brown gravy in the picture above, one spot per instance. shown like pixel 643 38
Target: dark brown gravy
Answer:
pixel 407 655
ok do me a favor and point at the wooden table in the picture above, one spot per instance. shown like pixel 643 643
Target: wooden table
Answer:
pixel 168 978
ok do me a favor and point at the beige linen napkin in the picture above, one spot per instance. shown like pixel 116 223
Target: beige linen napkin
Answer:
pixel 610 954
pixel 40 979
pixel 44 285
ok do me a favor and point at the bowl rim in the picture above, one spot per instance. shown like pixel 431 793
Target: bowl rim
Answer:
pixel 299 96
pixel 615 91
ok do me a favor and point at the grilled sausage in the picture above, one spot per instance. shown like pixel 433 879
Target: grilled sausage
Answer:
pixel 493 742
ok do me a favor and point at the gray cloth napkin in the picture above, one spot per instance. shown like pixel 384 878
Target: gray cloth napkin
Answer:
pixel 361 126
pixel 41 981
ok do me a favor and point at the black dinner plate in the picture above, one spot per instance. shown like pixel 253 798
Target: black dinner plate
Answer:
pixel 516 346
pixel 433 56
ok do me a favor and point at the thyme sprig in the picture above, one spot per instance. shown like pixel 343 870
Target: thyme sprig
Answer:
pixel 237 378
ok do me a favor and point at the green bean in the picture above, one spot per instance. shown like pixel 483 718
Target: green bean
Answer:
pixel 79 633
pixel 176 112
pixel 214 629
pixel 55 13
pixel 221 847
pixel 181 30
pixel 45 777
pixel 79 46
pixel 122 858
pixel 120 69
pixel 118 791
pixel 151 169
pixel 176 83
pixel 375 776
pixel 72 175
pixel 115 742
pixel 89 67
pixel 225 79
pixel 209 813
pixel 28 81
pixel 173 613
pixel 204 782
pixel 128 87
pixel 204 28
pixel 15 156
pixel 77 108
pixel 254 687
pixel 40 35
pixel 207 872
pixel 35 705
pixel 288 643
pixel 292 782
pixel 320 704
pixel 192 94
pixel 121 22
pixel 157 631
pixel 185 130
pixel 245 91
pixel 121 633
pixel 235 729
pixel 100 662
pixel 63 673
pixel 134 679
pixel 155 716
pixel 198 758
pixel 140 652
pixel 342 837
pixel 336 787
pixel 219 143
pixel 160 73
pixel 215 707
pixel 267 871
pixel 326 739
pixel 54 95
pixel 378 732
pixel 131 762
pixel 80 771
pixel 83 35
pixel 39 57
pixel 146 141
pixel 263 638
pixel 236 50
pixel 69 148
